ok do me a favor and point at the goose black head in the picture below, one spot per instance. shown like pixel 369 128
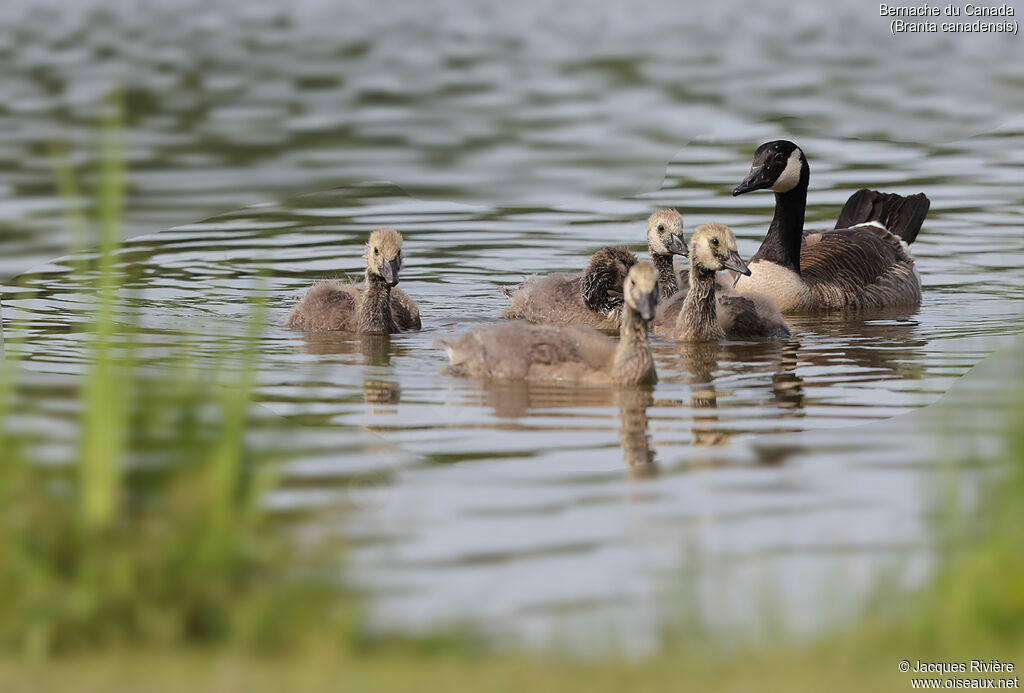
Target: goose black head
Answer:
pixel 665 233
pixel 384 254
pixel 779 166
pixel 713 247
pixel 640 290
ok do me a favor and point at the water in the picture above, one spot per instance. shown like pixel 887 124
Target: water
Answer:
pixel 523 139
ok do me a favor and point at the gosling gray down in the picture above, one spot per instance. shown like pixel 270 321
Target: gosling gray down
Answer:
pixel 595 297
pixel 519 350
pixel 863 263
pixel 704 313
pixel 374 307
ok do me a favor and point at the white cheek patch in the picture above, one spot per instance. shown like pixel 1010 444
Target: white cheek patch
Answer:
pixel 791 175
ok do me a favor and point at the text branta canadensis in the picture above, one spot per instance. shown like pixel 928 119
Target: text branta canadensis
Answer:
pixel 374 307
pixel 704 313
pixel 595 297
pixel 573 354
pixel 861 264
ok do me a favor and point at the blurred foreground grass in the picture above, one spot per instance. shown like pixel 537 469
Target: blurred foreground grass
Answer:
pixel 151 564
pixel 155 534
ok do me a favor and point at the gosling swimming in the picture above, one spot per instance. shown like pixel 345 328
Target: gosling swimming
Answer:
pixel 595 297
pixel 571 354
pixel 375 307
pixel 861 264
pixel 704 313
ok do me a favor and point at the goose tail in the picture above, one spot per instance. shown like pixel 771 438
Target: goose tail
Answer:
pixel 902 216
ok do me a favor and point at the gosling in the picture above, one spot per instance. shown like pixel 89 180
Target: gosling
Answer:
pixel 569 354
pixel 595 298
pixel 602 280
pixel 374 307
pixel 706 316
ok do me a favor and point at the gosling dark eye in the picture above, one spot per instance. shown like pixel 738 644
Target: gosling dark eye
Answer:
pixel 375 251
pixel 661 227
pixel 714 242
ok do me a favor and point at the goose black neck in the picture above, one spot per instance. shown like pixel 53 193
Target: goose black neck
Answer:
pixel 375 311
pixel 667 282
pixel 782 243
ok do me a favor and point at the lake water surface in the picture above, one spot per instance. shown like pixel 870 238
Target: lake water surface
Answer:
pixel 523 139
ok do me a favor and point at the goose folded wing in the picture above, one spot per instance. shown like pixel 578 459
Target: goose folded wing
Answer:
pixel 845 265
pixel 330 305
pixel 404 311
pixel 601 283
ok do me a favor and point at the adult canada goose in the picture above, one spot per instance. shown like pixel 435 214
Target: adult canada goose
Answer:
pixel 572 354
pixel 704 313
pixel 861 264
pixel 595 297
pixel 374 307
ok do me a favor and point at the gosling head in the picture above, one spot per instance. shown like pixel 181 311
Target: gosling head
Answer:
pixel 714 249
pixel 665 233
pixel 640 290
pixel 384 255
pixel 779 166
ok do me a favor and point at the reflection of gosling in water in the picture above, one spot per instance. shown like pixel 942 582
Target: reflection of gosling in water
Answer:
pixel 637 453
pixel 374 307
pixel 519 350
pixel 595 297
pixel 704 314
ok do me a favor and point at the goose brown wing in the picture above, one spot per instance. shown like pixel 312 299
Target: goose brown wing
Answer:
pixel 510 350
pixel 330 305
pixel 667 314
pixel 601 283
pixel 861 267
pixel 555 298
pixel 753 316
pixel 404 311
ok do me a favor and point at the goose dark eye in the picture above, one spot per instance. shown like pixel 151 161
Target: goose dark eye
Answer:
pixel 661 227
pixel 714 242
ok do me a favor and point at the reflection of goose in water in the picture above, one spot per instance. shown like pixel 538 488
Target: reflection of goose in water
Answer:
pixel 787 386
pixel 637 453
pixel 772 362
pixel 518 399
pixel 381 392
pixel 375 349
pixel 381 398
pixel 699 362
pixel 887 343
